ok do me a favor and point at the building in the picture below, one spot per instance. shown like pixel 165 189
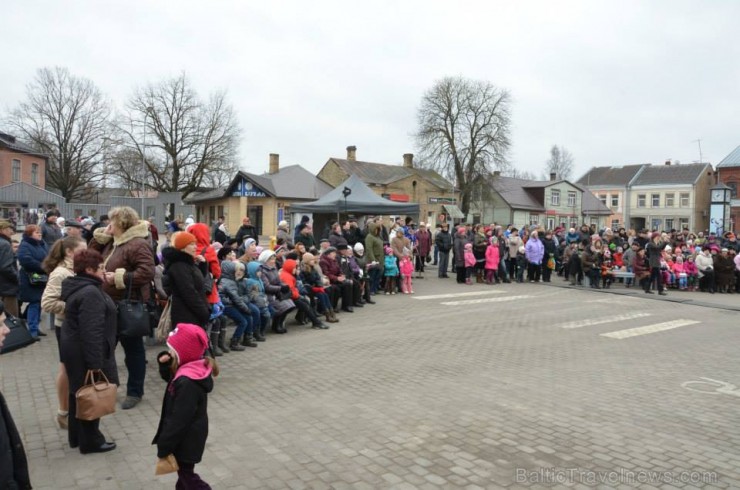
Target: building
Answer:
pixel 264 198
pixel 400 183
pixel 728 173
pixel 667 197
pixel 611 186
pixel 21 163
pixel 551 203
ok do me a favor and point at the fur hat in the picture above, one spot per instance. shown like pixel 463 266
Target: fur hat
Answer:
pixel 188 342
pixel 182 239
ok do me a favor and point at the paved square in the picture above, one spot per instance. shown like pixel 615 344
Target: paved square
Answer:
pixel 454 387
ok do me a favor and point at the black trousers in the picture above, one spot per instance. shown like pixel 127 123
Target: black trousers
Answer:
pixel 83 433
pixel 460 274
pixel 533 272
pixel 655 276
pixel 304 307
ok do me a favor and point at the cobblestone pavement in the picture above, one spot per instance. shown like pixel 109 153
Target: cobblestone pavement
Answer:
pixel 455 387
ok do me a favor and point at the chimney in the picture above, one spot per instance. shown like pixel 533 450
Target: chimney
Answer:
pixel 668 162
pixel 408 160
pixel 274 163
pixel 351 153
pixel 497 173
pixel 553 176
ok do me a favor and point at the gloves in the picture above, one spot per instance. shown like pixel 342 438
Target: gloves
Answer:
pixel 216 310
pixel 285 289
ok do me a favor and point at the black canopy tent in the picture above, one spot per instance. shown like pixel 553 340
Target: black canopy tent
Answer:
pixel 352 196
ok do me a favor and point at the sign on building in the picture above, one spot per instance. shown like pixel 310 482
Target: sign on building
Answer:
pixel 247 189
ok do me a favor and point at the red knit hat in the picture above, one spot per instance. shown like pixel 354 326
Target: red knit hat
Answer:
pixel 188 341
pixel 182 239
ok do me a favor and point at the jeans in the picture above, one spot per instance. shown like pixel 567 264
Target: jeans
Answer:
pixel 33 317
pixel 374 274
pixel 436 255
pixel 133 348
pixel 444 263
pixel 242 320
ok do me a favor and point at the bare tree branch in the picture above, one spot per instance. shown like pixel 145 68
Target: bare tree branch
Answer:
pixel 67 118
pixel 560 162
pixel 463 131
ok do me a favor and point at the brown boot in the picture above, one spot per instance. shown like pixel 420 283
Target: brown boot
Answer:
pixel 478 277
pixel 330 316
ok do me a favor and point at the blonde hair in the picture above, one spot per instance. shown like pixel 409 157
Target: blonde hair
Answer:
pixel 124 217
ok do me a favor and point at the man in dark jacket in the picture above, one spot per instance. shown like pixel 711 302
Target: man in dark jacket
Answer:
pixel 443 242
pixel 50 231
pixel 247 230
pixel 654 252
pixel 8 269
pixel 459 246
pixel 305 236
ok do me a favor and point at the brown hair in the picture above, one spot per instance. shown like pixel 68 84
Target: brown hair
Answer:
pixel 30 230
pixel 85 259
pixel 58 252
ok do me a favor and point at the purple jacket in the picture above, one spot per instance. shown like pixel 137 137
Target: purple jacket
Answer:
pixel 534 250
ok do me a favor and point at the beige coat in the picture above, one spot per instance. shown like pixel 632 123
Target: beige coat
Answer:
pixel 51 301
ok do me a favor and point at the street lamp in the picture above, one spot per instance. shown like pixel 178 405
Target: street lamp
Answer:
pixel 149 110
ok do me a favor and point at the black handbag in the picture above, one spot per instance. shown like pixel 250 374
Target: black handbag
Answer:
pixel 18 337
pixel 133 316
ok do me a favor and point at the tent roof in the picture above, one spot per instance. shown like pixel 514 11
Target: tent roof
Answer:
pixel 361 200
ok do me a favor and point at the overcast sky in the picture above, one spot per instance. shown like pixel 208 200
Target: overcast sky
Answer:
pixel 614 82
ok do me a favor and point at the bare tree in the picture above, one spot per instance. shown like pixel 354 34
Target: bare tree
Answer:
pixel 463 131
pixel 521 174
pixel 560 162
pixel 67 118
pixel 181 143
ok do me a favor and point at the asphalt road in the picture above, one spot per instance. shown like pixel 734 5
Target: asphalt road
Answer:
pixel 516 385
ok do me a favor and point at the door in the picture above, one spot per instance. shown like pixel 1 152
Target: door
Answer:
pixel 255 216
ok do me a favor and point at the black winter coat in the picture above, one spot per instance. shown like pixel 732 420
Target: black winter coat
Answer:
pixel 89 330
pixel 443 241
pixel 31 255
pixel 246 231
pixel 460 241
pixel 13 462
pixel 183 423
pixel 183 281
pixel 8 268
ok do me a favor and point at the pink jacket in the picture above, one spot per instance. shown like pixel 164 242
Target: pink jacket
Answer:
pixel 469 259
pixel 679 268
pixel 406 266
pixel 690 268
pixel 492 257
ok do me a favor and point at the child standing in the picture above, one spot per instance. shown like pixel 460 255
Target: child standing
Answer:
pixel 492 260
pixel 407 269
pixel 521 264
pixel 679 271
pixel 390 271
pixel 183 425
pixel 469 258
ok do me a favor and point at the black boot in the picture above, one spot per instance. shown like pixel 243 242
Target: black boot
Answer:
pixel 234 345
pixel 214 345
pixel 222 340
pixel 249 341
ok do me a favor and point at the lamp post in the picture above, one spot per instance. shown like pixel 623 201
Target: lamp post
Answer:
pixel 148 111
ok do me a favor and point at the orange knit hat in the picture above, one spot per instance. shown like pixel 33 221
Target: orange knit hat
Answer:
pixel 183 239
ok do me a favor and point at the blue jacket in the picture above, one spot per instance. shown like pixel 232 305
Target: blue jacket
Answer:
pixel 391 267
pixel 534 250
pixel 31 254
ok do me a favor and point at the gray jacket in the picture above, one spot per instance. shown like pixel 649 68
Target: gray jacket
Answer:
pixel 50 233
pixel 8 269
pixel 228 289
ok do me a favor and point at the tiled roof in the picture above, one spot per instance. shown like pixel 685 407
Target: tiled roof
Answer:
pixel 610 176
pixel 671 174
pixel 731 160
pixel 12 144
pixel 514 193
pixel 384 174
pixel 291 182
pixel 592 205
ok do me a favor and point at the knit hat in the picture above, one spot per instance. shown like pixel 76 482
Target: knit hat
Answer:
pixel 248 242
pixel 282 224
pixel 468 246
pixel 461 229
pixel 342 246
pixel 188 341
pixel 359 248
pixel 182 239
pixel 265 256
pixel 329 250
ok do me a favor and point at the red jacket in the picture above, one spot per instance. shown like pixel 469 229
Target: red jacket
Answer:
pixel 330 268
pixel 203 235
pixel 287 277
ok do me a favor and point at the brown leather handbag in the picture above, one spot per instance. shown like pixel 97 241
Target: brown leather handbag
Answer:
pixel 95 398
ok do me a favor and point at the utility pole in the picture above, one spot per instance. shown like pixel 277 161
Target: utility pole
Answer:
pixel 701 158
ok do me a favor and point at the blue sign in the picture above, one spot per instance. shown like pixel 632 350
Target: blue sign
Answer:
pixel 246 189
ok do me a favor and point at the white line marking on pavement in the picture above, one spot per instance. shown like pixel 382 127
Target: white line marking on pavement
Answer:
pixel 457 295
pixel 600 321
pixel 647 329
pixel 484 300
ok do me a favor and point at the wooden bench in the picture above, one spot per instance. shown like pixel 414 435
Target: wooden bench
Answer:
pixel 623 275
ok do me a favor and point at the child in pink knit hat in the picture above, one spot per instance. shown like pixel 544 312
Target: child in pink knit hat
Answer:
pixel 183 424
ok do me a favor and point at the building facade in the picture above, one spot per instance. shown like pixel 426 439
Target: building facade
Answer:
pixel 399 183
pixel 728 173
pixel 611 185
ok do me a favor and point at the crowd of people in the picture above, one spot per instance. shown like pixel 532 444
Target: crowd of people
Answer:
pixel 222 294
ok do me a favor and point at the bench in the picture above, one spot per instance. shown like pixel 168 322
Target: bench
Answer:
pixel 623 275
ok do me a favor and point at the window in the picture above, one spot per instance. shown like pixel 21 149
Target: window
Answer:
pixel 534 219
pixel 16 177
pixel 555 197
pixel 669 223
pixel 615 200
pixel 615 224
pixel 657 223
pixel 551 223
pixel 602 198
pixel 655 200
pixel 641 200
pixel 669 200
pixel 733 186
pixel 683 223
pixel 684 196
pixel 35 174
pixel 571 199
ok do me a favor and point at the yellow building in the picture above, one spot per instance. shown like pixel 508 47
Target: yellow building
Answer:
pixel 264 198
pixel 400 183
